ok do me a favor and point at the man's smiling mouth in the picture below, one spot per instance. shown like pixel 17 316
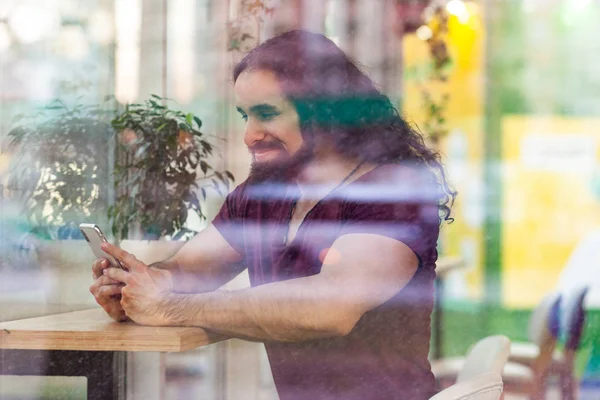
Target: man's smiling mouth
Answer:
pixel 264 153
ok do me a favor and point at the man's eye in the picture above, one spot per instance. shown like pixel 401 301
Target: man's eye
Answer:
pixel 266 116
pixel 244 117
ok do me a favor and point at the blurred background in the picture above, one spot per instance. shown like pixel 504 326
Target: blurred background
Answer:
pixel 506 90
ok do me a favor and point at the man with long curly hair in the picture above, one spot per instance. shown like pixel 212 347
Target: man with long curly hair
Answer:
pixel 337 224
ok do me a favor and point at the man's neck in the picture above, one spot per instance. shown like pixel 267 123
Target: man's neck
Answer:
pixel 324 173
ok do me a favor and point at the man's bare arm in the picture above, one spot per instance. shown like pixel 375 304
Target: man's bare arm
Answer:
pixel 203 264
pixel 360 272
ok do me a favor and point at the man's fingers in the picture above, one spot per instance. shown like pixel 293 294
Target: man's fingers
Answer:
pixel 98 266
pixel 94 288
pixel 106 292
pixel 115 311
pixel 117 274
pixel 106 280
pixel 126 258
pixel 97 288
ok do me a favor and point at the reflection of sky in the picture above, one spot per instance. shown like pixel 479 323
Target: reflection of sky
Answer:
pixel 15 247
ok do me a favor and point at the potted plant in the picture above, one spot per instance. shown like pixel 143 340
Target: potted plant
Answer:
pixel 162 172
pixel 149 167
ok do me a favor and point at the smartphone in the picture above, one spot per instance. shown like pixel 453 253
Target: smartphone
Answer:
pixel 94 236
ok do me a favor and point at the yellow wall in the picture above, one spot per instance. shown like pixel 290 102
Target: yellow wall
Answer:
pixel 547 209
pixel 465 120
pixel 548 205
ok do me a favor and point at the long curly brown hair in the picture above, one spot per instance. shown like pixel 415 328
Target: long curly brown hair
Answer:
pixel 334 97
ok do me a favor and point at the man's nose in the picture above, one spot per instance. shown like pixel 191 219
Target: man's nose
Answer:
pixel 254 133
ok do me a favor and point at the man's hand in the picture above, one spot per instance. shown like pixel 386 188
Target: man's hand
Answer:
pixel 147 290
pixel 107 291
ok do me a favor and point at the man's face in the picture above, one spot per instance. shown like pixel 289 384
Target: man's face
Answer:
pixel 272 125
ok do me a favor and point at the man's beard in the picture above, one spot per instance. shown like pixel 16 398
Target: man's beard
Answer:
pixel 285 169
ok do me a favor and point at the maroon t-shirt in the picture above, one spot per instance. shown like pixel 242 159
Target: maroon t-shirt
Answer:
pixel 385 355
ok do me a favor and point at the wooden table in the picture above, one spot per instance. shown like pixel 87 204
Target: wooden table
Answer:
pixel 444 266
pixel 87 343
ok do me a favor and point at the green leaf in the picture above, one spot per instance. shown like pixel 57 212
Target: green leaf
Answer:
pixel 204 166
pixel 156 105
pixel 229 175
pixel 196 133
pixel 156 96
pixel 189 118
pixel 206 146
pixel 198 122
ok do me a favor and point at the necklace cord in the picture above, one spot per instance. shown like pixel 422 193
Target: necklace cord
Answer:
pixel 295 202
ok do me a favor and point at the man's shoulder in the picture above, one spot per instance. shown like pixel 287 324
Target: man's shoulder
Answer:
pixel 394 183
pixel 401 173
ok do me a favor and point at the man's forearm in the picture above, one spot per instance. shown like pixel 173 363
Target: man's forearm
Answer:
pixel 290 311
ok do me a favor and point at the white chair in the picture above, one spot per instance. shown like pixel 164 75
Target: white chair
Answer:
pixel 543 324
pixel 486 386
pixel 487 355
pixel 528 364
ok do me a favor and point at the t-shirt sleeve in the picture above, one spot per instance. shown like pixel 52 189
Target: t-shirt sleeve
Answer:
pixel 406 211
pixel 229 220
